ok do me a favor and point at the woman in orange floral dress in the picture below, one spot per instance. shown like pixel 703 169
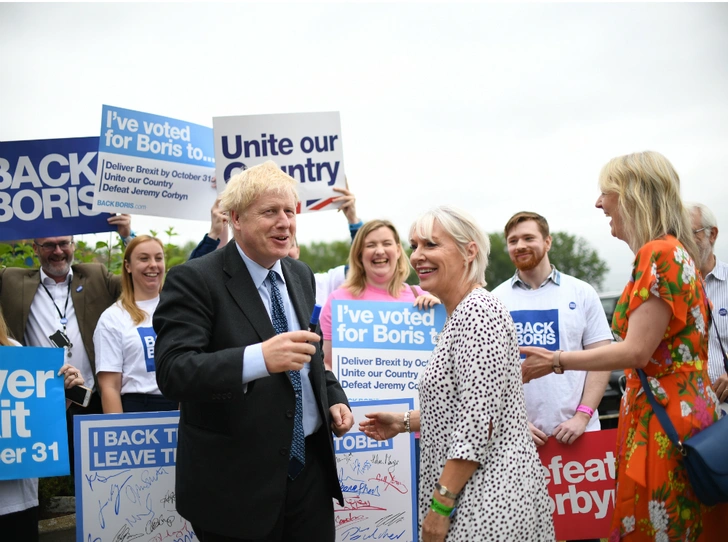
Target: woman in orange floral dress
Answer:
pixel 662 321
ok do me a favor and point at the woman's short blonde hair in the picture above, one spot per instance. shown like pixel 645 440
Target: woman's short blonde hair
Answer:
pixel 464 230
pixel 649 202
pixel 245 187
pixel 356 279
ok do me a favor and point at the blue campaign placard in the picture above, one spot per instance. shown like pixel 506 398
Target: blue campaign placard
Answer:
pixel 385 325
pixel 33 436
pixel 47 188
pixel 144 135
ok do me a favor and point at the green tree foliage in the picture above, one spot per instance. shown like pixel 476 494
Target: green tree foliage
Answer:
pixel 569 253
pixel 21 254
pixel 321 256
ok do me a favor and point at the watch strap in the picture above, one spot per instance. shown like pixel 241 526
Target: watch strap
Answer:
pixel 445 492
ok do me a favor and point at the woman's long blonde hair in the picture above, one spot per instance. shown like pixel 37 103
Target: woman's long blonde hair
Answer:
pixel 127 284
pixel 356 279
pixel 4 339
pixel 649 202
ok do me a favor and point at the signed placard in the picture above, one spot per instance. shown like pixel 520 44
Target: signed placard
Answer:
pixel 378 481
pixel 125 465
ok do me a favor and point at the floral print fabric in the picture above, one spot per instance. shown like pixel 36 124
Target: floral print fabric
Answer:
pixel 654 500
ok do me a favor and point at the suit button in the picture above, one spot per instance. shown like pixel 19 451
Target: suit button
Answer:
pixel 284 451
pixel 289 414
pixel 230 395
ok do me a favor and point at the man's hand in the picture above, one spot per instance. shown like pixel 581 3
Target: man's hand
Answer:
pixel 348 204
pixel 123 224
pixel 720 387
pixel 538 436
pixel 289 351
pixel 218 221
pixel 341 419
pixel 570 430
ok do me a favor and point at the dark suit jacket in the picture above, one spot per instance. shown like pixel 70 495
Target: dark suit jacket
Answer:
pixel 233 448
pixel 100 289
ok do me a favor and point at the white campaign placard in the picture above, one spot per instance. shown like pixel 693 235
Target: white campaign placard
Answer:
pixel 154 165
pixel 125 468
pixel 380 348
pixel 378 481
pixel 307 146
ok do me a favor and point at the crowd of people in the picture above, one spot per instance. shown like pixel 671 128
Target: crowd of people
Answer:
pixel 225 338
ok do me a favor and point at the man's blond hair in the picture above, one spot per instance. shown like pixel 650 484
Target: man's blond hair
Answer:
pixel 245 187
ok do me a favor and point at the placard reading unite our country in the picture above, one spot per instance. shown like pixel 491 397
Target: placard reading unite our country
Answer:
pixel 307 146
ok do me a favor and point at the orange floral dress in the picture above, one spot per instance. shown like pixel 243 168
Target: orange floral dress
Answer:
pixel 654 500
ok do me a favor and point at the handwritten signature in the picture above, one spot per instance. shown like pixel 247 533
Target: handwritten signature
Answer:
pixel 355 503
pixel 359 468
pixel 391 519
pixel 115 497
pixel 348 520
pixel 96 477
pixel 361 533
pixel 390 481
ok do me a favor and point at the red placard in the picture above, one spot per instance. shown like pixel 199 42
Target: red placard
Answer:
pixel 581 484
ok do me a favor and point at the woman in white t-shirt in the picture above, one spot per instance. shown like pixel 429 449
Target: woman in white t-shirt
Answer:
pixel 19 498
pixel 124 337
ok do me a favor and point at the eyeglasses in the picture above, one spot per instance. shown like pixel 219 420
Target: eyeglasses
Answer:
pixel 49 247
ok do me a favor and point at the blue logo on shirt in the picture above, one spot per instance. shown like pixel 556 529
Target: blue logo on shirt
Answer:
pixel 148 337
pixel 722 312
pixel 537 328
pixel 572 305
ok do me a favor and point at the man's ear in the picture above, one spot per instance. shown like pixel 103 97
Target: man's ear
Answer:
pixel 713 235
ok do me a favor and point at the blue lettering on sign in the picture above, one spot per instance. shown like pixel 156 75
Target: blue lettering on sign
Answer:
pixel 358 442
pixel 537 328
pixel 148 337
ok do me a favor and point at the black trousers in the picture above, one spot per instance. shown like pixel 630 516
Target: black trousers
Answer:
pixel 144 402
pixel 94 407
pixel 20 526
pixel 308 512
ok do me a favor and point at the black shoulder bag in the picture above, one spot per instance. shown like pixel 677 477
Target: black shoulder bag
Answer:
pixel 705 454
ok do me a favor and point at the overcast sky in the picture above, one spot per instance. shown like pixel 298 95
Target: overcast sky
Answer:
pixel 494 108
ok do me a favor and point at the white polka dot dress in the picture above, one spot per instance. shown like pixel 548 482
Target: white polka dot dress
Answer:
pixel 472 383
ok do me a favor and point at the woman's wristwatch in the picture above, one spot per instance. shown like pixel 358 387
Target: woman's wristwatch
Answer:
pixel 442 490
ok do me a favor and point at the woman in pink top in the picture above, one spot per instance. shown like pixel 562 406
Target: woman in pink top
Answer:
pixel 378 268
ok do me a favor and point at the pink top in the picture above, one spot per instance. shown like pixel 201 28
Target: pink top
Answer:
pixel 370 293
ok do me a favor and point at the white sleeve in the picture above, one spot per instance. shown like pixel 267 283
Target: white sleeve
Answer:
pixel 108 344
pixel 598 328
pixel 328 282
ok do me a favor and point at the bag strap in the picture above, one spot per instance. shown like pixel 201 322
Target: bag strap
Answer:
pixel 712 321
pixel 657 408
pixel 659 411
pixel 416 294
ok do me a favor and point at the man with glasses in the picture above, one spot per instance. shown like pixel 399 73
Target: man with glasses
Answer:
pixel 59 305
pixel 715 274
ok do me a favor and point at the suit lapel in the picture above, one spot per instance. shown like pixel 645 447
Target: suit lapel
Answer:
pixel 244 293
pixel 78 287
pixel 31 281
pixel 294 287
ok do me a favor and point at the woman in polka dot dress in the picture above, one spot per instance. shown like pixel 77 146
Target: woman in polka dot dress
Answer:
pixel 481 477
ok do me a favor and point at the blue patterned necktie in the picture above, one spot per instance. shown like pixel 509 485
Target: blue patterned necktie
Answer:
pixel 280 324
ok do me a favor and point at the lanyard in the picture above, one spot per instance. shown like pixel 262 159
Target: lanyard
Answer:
pixel 64 320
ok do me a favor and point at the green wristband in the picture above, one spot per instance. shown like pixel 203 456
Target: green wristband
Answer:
pixel 440 508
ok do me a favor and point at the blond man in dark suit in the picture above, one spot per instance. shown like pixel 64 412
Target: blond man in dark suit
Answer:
pixel 252 385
